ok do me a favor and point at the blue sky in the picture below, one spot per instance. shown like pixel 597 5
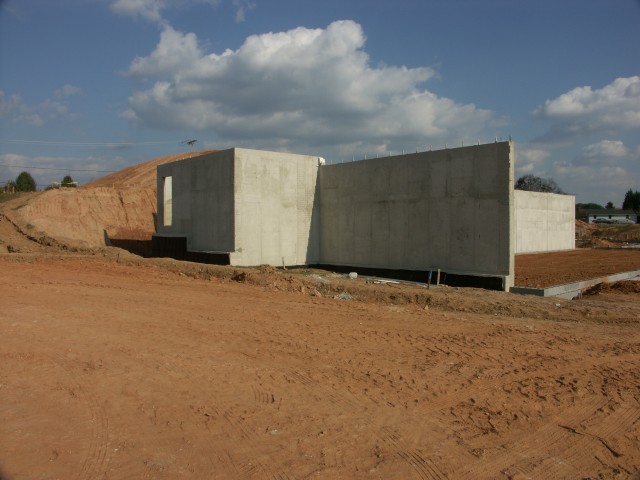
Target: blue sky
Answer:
pixel 90 86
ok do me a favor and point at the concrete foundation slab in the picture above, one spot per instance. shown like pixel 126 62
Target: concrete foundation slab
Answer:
pixel 574 290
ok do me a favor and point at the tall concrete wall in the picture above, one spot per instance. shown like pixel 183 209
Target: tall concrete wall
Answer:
pixel 202 203
pixel 544 221
pixel 450 209
pixel 275 208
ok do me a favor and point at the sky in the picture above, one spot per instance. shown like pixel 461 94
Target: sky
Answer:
pixel 92 86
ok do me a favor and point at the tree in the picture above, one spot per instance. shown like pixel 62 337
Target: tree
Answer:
pixel 589 206
pixel 67 181
pixel 531 183
pixel 609 206
pixel 631 201
pixel 25 183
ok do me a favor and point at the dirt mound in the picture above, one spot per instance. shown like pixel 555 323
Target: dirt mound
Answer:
pixel 624 287
pixel 603 235
pixel 142 175
pixel 15 240
pixel 109 211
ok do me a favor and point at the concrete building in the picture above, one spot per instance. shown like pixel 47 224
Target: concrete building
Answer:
pixel 240 207
pixel 453 210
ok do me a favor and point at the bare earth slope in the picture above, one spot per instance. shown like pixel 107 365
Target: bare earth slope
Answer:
pixel 117 206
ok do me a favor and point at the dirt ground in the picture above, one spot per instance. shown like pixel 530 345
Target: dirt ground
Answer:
pixel 118 368
pixel 557 268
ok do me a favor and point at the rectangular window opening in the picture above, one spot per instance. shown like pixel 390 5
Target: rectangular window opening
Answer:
pixel 168 201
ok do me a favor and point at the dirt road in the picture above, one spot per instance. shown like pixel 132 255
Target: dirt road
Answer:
pixel 117 371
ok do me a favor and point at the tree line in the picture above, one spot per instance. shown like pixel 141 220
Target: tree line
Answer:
pixel 631 202
pixel 25 182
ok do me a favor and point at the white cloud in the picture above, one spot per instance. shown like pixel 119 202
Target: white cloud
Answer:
pixel 147 9
pixel 67 91
pixel 583 111
pixel 242 7
pixel 304 87
pixel 600 173
pixel 530 159
pixel 174 52
pixel 595 183
pixel 151 10
pixel 606 148
pixel 14 110
pixel 48 169
pixel 603 153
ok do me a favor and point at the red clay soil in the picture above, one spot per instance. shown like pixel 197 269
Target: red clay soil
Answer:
pixel 557 268
pixel 121 371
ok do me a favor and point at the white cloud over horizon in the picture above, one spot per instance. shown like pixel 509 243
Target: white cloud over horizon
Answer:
pixel 598 170
pixel 46 169
pixel 302 87
pixel 583 110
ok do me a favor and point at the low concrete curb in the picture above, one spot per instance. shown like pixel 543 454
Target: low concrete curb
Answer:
pixel 574 290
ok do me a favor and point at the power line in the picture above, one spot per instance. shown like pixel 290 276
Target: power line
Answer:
pixel 59 169
pixel 84 144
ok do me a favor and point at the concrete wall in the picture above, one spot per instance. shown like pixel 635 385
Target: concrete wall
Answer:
pixel 544 221
pixel 450 209
pixel 202 203
pixel 453 209
pixel 275 208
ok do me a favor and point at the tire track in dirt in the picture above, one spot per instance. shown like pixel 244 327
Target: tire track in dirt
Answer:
pixel 247 463
pixel 94 463
pixel 224 418
pixel 548 439
pixel 481 387
pixel 226 421
pixel 422 465
pixel 552 436
pixel 588 445
pixel 558 440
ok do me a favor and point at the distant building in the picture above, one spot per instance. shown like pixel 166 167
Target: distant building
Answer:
pixel 602 215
